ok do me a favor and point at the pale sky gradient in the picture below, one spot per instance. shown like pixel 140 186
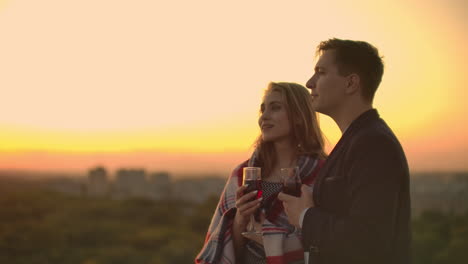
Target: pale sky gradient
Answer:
pixel 176 85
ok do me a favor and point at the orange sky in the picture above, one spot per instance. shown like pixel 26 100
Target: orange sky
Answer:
pixel 177 85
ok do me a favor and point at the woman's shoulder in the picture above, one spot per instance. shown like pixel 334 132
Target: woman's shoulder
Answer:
pixel 237 172
pixel 311 168
pixel 320 162
pixel 238 169
pixel 241 165
pixel 316 159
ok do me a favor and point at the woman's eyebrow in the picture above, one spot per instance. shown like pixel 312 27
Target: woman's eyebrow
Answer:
pixel 270 103
pixel 273 102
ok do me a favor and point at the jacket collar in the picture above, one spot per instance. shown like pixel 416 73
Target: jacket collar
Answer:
pixel 363 119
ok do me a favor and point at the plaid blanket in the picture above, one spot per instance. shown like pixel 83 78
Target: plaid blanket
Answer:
pixel 281 244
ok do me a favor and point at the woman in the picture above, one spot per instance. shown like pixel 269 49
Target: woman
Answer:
pixel 290 137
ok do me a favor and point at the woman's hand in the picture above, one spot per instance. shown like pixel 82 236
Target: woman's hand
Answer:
pixel 245 206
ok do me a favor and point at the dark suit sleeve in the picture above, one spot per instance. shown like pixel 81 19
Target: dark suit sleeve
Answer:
pixel 369 196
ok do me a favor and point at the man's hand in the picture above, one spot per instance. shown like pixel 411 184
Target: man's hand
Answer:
pixel 293 206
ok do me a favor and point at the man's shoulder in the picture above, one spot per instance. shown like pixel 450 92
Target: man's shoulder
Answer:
pixel 376 132
pixel 376 137
pixel 377 146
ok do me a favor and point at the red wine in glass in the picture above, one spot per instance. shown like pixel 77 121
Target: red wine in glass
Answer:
pixel 253 180
pixel 254 185
pixel 293 189
pixel 291 181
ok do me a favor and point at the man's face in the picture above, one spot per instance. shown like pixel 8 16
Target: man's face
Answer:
pixel 327 85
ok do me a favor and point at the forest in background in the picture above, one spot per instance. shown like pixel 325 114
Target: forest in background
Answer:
pixel 43 226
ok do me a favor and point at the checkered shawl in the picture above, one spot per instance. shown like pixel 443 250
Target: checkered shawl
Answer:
pixel 281 244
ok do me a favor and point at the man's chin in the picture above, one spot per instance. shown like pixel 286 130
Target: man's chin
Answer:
pixel 316 108
pixel 320 110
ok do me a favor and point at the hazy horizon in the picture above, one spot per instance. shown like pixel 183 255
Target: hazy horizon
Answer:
pixel 111 173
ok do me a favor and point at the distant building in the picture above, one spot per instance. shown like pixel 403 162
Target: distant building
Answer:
pixel 159 185
pixel 98 184
pixel 130 183
pixel 440 191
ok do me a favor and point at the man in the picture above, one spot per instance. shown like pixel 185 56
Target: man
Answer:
pixel 359 211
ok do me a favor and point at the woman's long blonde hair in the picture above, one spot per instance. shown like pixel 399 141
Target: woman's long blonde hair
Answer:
pixel 305 131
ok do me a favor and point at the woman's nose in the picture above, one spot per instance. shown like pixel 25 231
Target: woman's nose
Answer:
pixel 264 115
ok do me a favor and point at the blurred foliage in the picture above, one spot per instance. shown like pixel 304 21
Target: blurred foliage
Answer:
pixel 440 238
pixel 38 226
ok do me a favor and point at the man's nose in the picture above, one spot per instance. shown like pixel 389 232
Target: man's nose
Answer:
pixel 311 82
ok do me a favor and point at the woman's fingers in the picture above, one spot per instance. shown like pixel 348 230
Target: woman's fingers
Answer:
pixel 246 208
pixel 250 207
pixel 240 191
pixel 246 203
pixel 245 198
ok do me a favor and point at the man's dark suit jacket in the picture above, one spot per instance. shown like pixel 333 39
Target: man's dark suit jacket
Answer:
pixel 362 201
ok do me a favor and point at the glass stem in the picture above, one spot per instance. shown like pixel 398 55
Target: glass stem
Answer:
pixel 252 222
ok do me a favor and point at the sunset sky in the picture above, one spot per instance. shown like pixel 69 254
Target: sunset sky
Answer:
pixel 176 85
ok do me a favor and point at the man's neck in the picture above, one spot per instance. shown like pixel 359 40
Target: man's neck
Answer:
pixel 347 115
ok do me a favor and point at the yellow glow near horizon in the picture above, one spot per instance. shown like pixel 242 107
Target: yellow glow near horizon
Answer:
pixel 182 139
pixel 153 76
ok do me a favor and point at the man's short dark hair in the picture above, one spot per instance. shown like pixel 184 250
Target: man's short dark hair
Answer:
pixel 357 57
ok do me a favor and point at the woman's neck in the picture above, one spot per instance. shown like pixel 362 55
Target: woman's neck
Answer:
pixel 285 158
pixel 285 155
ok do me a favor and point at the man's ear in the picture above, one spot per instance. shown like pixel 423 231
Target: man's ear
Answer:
pixel 354 83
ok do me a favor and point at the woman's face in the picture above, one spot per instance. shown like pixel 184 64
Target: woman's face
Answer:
pixel 273 121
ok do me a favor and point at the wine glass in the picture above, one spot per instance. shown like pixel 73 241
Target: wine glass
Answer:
pixel 291 181
pixel 253 179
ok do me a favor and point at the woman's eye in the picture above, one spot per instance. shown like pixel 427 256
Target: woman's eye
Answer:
pixel 276 107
